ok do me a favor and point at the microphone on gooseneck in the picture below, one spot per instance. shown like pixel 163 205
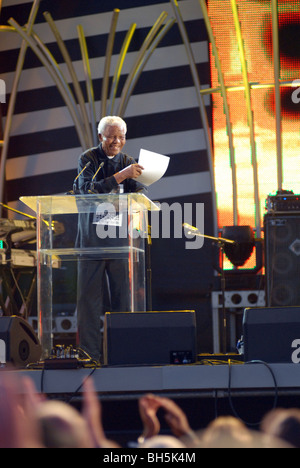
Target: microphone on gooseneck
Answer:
pixel 94 177
pixel 74 191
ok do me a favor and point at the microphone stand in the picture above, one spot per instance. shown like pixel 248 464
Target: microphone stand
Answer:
pixel 94 176
pixel 75 191
pixel 149 270
pixel 220 242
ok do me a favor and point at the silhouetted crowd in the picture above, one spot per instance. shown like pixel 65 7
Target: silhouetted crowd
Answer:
pixel 30 420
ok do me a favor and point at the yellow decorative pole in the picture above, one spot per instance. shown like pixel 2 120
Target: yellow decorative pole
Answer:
pixel 249 114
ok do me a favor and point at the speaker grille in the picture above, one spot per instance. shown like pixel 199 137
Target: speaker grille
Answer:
pixel 270 333
pixel 149 338
pixel 19 342
pixel 282 249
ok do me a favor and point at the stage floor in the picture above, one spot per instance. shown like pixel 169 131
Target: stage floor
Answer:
pixel 201 380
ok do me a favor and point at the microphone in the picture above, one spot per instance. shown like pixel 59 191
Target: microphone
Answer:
pixel 193 230
pixel 73 192
pixel 94 176
pixel 190 228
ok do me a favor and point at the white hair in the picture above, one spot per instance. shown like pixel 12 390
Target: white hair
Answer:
pixel 109 121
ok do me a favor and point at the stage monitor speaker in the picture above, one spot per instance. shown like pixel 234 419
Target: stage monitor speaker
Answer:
pixel 282 259
pixel 150 338
pixel 272 334
pixel 19 344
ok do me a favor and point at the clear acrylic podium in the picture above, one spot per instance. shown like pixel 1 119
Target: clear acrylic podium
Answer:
pixel 85 228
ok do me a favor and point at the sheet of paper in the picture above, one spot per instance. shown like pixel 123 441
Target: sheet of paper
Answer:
pixel 155 166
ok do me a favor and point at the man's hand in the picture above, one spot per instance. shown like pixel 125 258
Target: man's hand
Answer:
pixel 148 407
pixel 92 413
pixel 130 172
pixel 175 417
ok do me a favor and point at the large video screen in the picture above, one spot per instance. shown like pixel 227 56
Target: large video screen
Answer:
pixel 256 26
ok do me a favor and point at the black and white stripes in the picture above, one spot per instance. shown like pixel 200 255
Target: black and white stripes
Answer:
pixel 162 114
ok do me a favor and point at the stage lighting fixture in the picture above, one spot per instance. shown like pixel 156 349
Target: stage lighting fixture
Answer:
pixel 241 251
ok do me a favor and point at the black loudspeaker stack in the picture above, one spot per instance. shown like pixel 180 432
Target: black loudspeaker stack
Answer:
pixel 272 334
pixel 150 338
pixel 282 259
pixel 19 344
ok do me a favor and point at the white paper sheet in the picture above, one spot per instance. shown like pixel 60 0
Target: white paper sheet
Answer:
pixel 155 166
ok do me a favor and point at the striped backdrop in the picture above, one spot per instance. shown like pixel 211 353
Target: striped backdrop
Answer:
pixel 162 116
